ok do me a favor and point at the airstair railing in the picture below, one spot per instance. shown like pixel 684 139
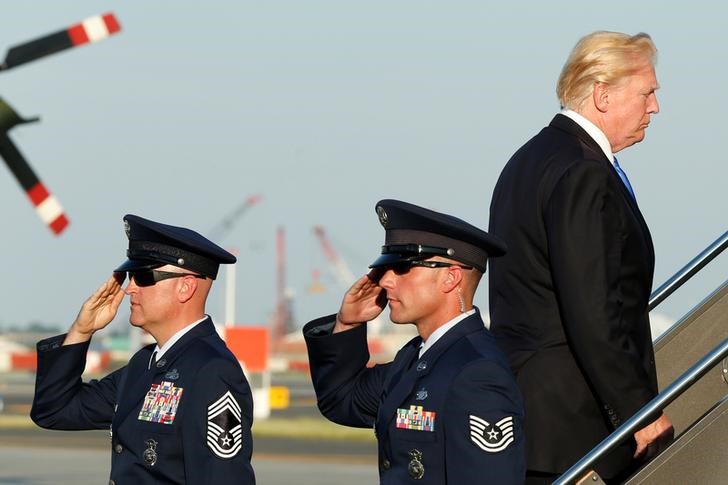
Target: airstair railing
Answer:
pixel 688 271
pixel 637 421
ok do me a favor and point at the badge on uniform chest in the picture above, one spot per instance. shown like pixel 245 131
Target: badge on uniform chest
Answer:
pixel 160 403
pixel 150 453
pixel 416 418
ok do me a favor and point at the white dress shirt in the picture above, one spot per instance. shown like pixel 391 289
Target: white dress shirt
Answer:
pixel 592 130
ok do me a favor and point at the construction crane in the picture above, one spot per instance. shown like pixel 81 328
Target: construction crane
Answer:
pixel 341 270
pixel 90 30
pixel 227 223
pixel 216 234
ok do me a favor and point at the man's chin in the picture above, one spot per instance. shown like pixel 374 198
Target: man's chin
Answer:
pixel 134 323
pixel 398 320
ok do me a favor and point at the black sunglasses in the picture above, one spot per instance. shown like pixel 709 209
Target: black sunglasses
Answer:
pixel 149 277
pixel 402 267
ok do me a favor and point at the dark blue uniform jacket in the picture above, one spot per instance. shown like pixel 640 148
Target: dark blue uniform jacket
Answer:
pixel 454 416
pixel 185 420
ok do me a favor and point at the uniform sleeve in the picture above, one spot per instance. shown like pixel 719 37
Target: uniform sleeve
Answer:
pixel 585 237
pixel 484 427
pixel 216 434
pixel 62 400
pixel 347 391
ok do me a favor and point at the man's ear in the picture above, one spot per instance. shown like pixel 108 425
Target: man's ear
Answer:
pixel 187 288
pixel 453 279
pixel 600 96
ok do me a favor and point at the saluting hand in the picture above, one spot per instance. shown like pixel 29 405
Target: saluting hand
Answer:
pixel 97 311
pixel 362 303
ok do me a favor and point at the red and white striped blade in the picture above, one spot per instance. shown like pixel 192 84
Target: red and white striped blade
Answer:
pixel 92 29
pixel 48 208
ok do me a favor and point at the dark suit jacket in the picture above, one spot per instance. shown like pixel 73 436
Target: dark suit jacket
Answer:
pixel 202 437
pixel 462 389
pixel 568 302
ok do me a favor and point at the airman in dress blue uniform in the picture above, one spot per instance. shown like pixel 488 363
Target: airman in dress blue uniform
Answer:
pixel 447 409
pixel 181 410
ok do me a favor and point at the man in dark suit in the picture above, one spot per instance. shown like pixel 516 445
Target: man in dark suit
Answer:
pixel 181 410
pixel 447 409
pixel 569 301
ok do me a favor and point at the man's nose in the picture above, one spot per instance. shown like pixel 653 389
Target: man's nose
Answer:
pixel 131 287
pixel 653 107
pixel 387 279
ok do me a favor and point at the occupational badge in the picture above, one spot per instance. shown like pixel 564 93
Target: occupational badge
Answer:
pixel 421 395
pixel 160 403
pixel 415 468
pixel 150 454
pixel 491 437
pixel 172 375
pixel 383 219
pixel 224 427
pixel 416 418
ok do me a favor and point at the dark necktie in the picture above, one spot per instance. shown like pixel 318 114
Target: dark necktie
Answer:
pixel 624 178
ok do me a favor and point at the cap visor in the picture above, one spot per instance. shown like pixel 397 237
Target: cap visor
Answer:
pixel 136 264
pixel 391 258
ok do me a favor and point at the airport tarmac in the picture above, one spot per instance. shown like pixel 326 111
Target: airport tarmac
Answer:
pixel 283 453
pixel 44 466
pixel 39 457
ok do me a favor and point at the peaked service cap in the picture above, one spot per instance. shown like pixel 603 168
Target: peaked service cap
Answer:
pixel 153 244
pixel 415 233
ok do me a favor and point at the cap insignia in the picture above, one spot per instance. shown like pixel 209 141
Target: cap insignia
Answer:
pixel 382 215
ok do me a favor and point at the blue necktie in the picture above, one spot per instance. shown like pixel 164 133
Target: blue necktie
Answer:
pixel 624 178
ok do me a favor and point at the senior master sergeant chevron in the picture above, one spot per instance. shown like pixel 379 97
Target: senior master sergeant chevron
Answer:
pixel 180 411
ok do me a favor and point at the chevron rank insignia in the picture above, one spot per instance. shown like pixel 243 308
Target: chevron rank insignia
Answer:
pixel 491 438
pixel 224 427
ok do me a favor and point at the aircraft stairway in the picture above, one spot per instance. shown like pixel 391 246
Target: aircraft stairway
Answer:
pixel 700 413
pixel 681 346
pixel 691 358
pixel 696 456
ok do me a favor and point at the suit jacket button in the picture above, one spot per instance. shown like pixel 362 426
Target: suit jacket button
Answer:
pixel 386 464
pixel 118 448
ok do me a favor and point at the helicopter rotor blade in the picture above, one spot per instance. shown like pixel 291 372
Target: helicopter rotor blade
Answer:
pixel 45 204
pixel 92 29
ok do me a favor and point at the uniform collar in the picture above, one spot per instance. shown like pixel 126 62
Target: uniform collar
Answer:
pixel 173 340
pixel 442 329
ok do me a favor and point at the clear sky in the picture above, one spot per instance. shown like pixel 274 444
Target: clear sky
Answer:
pixel 323 108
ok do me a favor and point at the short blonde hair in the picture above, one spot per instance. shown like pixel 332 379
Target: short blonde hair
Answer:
pixel 604 57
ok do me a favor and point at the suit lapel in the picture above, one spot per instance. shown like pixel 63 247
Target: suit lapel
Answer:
pixel 567 124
